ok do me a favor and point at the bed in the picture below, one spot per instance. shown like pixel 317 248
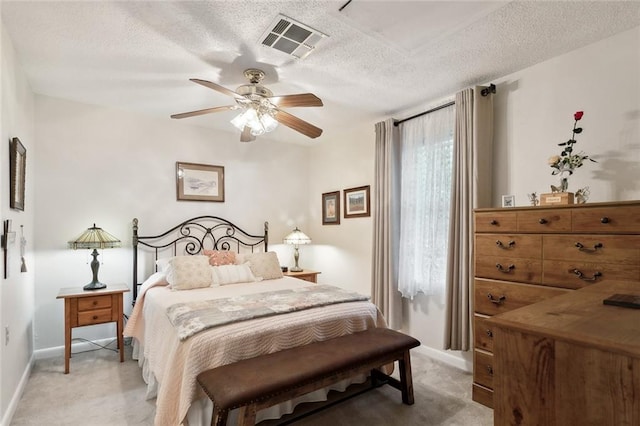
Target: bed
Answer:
pixel 269 312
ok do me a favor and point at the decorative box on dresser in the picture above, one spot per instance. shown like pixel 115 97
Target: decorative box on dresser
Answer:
pixel 525 255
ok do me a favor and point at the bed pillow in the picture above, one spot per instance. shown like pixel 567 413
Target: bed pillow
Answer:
pixel 220 257
pixel 189 272
pixel 264 265
pixel 231 274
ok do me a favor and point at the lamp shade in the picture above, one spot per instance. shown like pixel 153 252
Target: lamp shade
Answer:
pixel 297 237
pixel 94 238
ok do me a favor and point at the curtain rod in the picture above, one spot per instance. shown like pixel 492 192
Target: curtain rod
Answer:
pixel 448 104
pixel 484 92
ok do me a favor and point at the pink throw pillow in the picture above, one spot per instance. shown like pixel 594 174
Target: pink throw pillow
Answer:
pixel 220 257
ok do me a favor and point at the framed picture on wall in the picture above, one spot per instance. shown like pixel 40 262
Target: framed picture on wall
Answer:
pixel 17 169
pixel 357 202
pixel 331 208
pixel 199 182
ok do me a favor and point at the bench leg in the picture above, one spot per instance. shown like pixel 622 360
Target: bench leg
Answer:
pixel 247 415
pixel 218 418
pixel 406 380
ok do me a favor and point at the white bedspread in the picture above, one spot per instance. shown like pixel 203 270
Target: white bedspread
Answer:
pixel 175 364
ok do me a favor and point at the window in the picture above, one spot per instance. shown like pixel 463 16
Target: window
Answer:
pixel 426 145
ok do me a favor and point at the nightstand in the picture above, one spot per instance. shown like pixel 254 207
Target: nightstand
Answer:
pixel 83 307
pixel 311 276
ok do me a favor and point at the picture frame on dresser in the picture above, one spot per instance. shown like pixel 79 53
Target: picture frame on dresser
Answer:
pixel 17 172
pixel 508 201
pixel 199 182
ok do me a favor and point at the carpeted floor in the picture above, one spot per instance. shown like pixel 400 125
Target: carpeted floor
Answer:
pixel 101 391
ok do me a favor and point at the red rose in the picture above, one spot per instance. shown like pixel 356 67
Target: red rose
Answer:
pixel 578 115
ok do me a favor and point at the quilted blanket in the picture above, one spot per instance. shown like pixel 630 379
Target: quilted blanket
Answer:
pixel 192 317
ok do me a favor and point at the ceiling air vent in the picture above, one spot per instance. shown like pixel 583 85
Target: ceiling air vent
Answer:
pixel 291 37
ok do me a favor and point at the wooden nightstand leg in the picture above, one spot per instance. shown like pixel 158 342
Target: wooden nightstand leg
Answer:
pixel 119 328
pixel 67 334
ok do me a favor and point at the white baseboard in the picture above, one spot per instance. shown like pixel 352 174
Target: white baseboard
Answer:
pixel 453 358
pixel 17 395
pixel 58 351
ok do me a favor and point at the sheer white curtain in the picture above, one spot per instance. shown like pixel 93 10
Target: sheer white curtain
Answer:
pixel 426 160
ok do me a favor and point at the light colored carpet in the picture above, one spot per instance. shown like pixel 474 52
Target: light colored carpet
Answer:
pixel 101 391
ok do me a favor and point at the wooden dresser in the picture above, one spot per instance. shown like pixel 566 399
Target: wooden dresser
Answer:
pixel 525 255
pixel 570 360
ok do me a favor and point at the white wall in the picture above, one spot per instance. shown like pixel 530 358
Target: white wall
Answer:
pixel 534 112
pixel 16 292
pixel 106 166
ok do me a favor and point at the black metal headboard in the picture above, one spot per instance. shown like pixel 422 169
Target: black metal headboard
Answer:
pixel 194 235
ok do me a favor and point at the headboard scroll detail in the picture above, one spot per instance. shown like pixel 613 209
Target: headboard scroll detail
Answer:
pixel 193 236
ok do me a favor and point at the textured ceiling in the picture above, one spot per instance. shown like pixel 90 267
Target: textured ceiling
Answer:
pixel 381 57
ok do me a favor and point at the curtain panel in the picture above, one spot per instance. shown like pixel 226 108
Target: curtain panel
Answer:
pixel 385 210
pixel 471 188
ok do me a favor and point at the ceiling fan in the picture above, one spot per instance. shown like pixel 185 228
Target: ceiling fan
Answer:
pixel 260 110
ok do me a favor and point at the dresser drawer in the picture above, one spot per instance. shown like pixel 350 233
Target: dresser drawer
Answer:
pixel 94 302
pixel 576 275
pixel 607 220
pixel 509 268
pixel 97 316
pixel 495 297
pixel 500 221
pixel 483 333
pixel 518 245
pixel 483 368
pixel 617 249
pixel 544 221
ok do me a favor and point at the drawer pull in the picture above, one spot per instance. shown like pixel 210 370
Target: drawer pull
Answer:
pixel 489 333
pixel 509 245
pixel 595 248
pixel 95 317
pixel 506 270
pixel 542 221
pixel 489 370
pixel 582 277
pixel 604 220
pixel 493 222
pixel 499 301
pixel 95 303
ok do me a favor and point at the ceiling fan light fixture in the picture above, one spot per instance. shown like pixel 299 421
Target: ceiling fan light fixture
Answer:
pixel 260 122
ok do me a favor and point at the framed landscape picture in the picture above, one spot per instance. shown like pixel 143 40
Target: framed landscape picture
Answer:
pixel 199 182
pixel 357 202
pixel 331 208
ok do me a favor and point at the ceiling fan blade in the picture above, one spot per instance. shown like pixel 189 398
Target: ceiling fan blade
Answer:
pixel 246 135
pixel 298 124
pixel 216 87
pixel 299 100
pixel 204 111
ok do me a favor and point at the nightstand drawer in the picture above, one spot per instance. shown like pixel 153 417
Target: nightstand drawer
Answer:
pixel 97 316
pixel 94 302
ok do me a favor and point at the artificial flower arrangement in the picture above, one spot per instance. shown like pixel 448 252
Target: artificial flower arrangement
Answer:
pixel 567 161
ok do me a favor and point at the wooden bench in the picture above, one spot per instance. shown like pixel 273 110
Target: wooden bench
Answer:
pixel 257 383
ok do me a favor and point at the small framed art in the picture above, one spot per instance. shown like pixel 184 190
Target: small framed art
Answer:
pixel 331 208
pixel 508 201
pixel 17 168
pixel 199 182
pixel 357 202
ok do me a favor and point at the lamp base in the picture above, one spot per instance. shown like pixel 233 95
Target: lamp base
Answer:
pixel 296 269
pixel 94 286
